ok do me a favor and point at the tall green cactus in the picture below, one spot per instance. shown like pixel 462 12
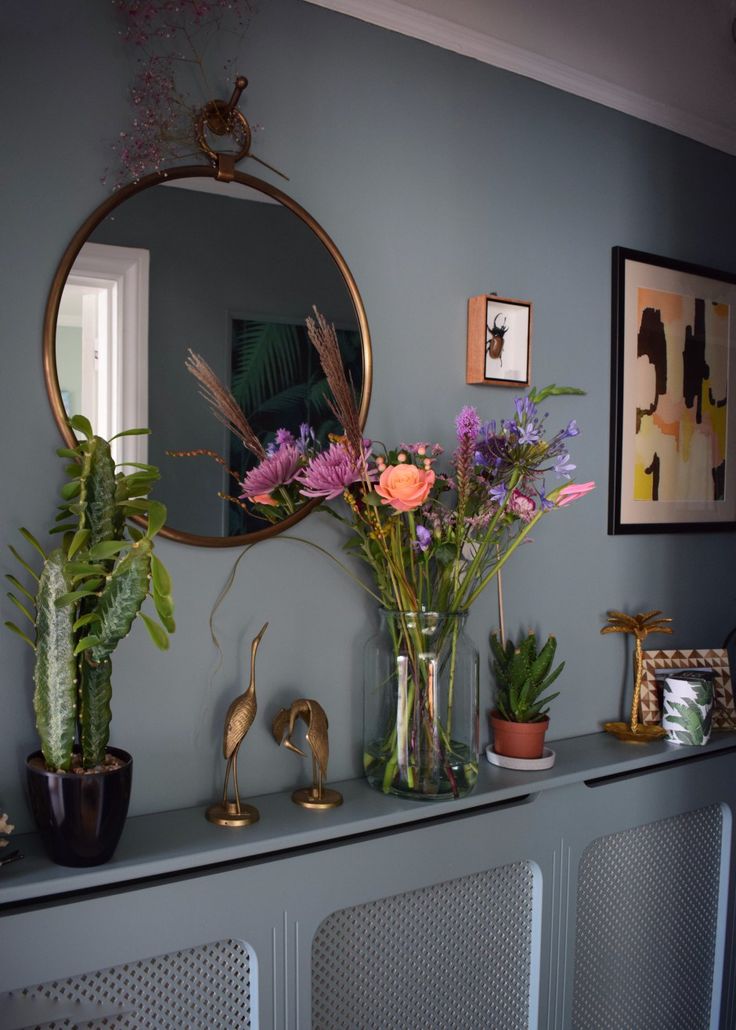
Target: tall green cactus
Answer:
pixel 90 591
pixel 522 675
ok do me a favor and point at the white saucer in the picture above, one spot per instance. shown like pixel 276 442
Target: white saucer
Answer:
pixel 545 762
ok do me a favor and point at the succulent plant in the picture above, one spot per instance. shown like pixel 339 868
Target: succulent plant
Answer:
pixel 522 676
pixel 89 592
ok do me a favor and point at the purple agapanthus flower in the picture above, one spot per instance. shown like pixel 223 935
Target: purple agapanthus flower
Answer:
pixel 331 471
pixel 563 466
pixel 275 470
pixel 498 493
pixel 306 439
pixel 423 540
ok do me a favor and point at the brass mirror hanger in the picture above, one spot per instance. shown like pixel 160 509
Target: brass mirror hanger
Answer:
pixel 249 257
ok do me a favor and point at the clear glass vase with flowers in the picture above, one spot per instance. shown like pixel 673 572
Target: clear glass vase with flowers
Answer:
pixel 433 540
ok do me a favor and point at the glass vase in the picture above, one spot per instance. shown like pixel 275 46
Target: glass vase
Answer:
pixel 421 709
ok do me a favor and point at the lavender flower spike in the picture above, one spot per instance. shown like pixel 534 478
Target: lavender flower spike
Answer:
pixel 467 424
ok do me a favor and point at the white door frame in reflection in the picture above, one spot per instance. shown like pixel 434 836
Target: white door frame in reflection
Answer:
pixel 112 282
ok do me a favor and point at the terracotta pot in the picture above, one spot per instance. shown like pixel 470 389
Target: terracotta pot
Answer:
pixel 518 739
pixel 80 817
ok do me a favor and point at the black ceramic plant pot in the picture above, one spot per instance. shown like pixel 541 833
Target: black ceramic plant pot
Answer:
pixel 80 817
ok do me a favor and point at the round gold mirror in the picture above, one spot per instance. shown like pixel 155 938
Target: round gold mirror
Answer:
pixel 181 261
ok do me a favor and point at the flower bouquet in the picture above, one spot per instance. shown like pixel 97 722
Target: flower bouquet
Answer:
pixel 433 540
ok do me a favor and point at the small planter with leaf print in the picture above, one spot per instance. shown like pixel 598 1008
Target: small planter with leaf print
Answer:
pixel 687 709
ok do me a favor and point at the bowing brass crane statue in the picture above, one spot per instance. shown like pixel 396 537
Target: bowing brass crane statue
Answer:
pixel 238 721
pixel 313 714
pixel 639 626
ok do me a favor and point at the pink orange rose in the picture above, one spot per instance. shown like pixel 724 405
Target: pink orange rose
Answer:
pixel 405 486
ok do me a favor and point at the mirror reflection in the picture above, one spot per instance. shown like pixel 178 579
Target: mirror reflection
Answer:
pixel 231 273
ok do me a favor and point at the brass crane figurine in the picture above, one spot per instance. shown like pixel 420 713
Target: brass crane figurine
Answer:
pixel 313 714
pixel 639 626
pixel 238 721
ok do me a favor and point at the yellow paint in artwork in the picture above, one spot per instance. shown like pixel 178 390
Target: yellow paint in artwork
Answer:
pixel 716 416
pixel 642 483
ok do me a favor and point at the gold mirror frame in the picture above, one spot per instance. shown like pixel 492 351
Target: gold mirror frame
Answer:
pixel 65 267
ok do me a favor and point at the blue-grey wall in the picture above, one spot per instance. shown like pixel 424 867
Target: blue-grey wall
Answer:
pixel 438 178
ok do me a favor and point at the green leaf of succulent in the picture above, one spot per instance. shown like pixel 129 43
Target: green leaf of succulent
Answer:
pixel 82 425
pixel 21 607
pixel 86 643
pixel 106 549
pixel 542 663
pixel 65 600
pixel 164 605
pixel 156 518
pixel 79 539
pixel 19 586
pixel 67 452
pixel 131 432
pixel 71 489
pixel 158 635
pixel 27 535
pixel 85 620
pixel 23 562
pixel 160 576
pixel 55 673
pixel 19 632
pixel 80 569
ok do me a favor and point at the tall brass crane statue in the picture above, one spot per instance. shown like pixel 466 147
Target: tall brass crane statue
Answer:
pixel 313 714
pixel 238 721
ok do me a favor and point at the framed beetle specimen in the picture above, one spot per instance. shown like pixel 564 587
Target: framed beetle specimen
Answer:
pixel 499 341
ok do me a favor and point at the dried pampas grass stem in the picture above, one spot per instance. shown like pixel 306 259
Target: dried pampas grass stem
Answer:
pixel 342 405
pixel 224 406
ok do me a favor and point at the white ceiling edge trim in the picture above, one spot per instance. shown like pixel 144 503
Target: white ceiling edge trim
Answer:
pixel 390 14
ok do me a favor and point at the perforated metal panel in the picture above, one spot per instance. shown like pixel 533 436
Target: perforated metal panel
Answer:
pixel 204 988
pixel 646 926
pixel 457 955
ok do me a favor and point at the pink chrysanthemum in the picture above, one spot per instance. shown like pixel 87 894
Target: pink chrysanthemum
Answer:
pixel 331 471
pixel 276 470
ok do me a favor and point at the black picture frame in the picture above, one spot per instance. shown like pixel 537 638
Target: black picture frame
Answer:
pixel 690 490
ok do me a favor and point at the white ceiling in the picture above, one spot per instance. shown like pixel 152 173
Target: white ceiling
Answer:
pixel 670 62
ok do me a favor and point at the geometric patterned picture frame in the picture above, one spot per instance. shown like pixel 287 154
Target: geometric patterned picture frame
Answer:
pixel 657 663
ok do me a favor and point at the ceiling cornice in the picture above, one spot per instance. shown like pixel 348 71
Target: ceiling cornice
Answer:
pixel 396 16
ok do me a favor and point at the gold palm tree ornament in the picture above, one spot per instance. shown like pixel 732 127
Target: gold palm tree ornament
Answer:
pixel 313 714
pixel 238 721
pixel 639 626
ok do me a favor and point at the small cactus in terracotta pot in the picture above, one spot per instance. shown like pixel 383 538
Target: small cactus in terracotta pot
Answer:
pixel 523 673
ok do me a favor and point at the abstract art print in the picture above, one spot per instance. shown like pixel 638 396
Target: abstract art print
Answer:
pixel 499 341
pixel 673 406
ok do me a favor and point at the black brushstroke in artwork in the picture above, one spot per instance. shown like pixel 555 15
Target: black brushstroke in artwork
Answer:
pixel 719 481
pixel 651 343
pixel 653 471
pixel 694 366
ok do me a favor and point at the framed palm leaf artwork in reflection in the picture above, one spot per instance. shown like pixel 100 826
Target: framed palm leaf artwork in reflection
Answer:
pixel 673 399
pixel 277 379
